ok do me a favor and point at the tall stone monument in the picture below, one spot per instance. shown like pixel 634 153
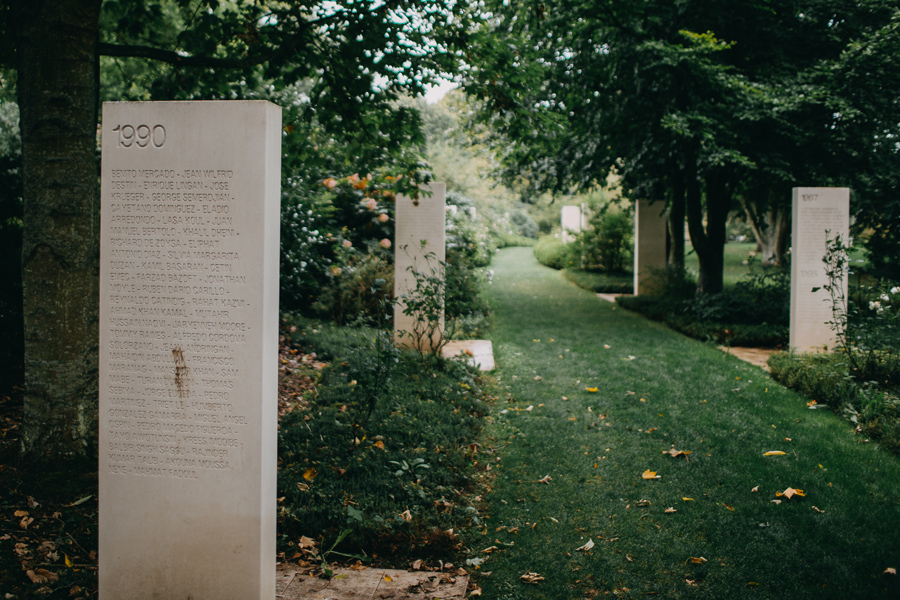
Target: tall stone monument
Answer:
pixel 649 243
pixel 819 215
pixel 571 223
pixel 189 350
pixel 419 245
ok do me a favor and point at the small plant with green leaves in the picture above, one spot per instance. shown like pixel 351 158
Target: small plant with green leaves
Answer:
pixel 425 303
pixel 321 557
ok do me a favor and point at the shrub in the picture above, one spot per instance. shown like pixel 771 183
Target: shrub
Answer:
pixel 551 252
pixel 358 287
pixel 601 283
pixel 606 245
pixel 388 469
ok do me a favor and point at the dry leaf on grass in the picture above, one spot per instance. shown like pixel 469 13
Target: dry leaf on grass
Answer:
pixel 790 493
pixel 697 560
pixel 890 571
pixel 774 453
pixel 545 479
pixel 592 390
pixel 531 578
pixel 648 474
pixel 818 510
pixel 755 489
pixel 586 547
pixel 676 453
pixel 310 474
pixel 670 510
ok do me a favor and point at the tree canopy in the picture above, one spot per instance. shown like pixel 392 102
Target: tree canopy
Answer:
pixel 696 101
pixel 338 65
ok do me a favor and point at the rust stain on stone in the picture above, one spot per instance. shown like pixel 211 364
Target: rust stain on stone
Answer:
pixel 181 378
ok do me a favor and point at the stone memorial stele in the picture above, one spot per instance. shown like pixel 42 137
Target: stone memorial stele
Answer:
pixel 819 215
pixel 419 244
pixel 649 244
pixel 571 223
pixel 189 350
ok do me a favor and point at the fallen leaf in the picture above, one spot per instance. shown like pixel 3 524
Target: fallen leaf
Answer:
pixel 675 453
pixel 545 479
pixel 818 510
pixel 489 550
pixel 774 453
pixel 42 576
pixel 379 444
pixel 25 522
pixel 670 510
pixel 648 474
pixel 388 578
pixel 643 503
pixel 698 560
pixel 81 501
pixel 688 499
pixel 531 578
pixel 530 408
pixel 607 346
pixel 475 592
pixel 728 507
pixel 790 493
pixel 537 377
pixel 776 502
pixel 67 560
pixel 586 547
pixel 406 515
pixel 310 474
pixel 755 489
pixel 890 571
pixel 21 513
pixel 592 390
pixel 811 403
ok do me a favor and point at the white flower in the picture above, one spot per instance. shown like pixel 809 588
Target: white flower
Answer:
pixel 876 306
pixel 895 290
pixel 885 297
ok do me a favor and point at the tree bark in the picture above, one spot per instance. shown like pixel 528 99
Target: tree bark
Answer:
pixel 709 243
pixel 771 228
pixel 676 223
pixel 58 88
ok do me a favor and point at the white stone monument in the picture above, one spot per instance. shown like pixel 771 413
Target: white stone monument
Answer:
pixel 189 350
pixel 649 243
pixel 571 223
pixel 819 215
pixel 420 244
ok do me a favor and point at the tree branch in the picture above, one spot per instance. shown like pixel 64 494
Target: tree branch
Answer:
pixel 173 58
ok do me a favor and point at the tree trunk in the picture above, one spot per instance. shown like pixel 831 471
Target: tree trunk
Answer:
pixel 676 223
pixel 709 244
pixel 771 228
pixel 58 87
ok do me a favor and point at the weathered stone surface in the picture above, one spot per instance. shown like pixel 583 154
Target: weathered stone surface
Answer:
pixel 372 584
pixel 819 214
pixel 189 343
pixel 649 243
pixel 419 245
pixel 572 223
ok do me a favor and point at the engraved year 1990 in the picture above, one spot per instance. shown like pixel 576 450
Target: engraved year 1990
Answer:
pixel 141 136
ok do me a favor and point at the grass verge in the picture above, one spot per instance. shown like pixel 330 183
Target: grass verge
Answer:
pixel 594 397
pixel 601 283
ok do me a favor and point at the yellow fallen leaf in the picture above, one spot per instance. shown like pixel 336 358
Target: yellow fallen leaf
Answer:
pixel 310 474
pixel 698 560
pixel 890 571
pixel 790 493
pixel 688 499
pixel 774 453
pixel 648 474
pixel 592 390
pixel 388 578
pixel 379 444
pixel 68 561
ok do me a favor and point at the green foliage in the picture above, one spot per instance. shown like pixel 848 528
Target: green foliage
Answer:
pixel 601 283
pixel 755 312
pixel 606 245
pixel 468 240
pixel 358 286
pixel 828 378
pixel 551 252
pixel 342 455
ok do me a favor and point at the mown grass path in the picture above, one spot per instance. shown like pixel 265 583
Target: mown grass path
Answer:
pixel 657 389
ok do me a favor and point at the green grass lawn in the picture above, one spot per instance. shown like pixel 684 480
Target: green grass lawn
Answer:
pixel 657 390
